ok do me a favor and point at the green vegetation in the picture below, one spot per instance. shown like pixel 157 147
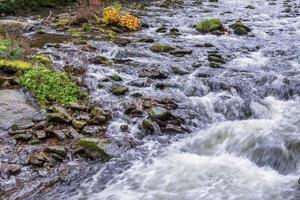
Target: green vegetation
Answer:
pixel 10 49
pixel 209 25
pixel 50 86
pixel 14 65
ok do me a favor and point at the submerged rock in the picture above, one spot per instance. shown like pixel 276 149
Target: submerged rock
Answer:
pixel 159 48
pixel 239 28
pixel 94 148
pixel 159 113
pixel 119 90
pixel 152 72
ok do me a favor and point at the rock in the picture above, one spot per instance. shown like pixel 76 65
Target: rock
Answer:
pixel 23 137
pixel 77 106
pixel 181 52
pixel 39 126
pixel 73 133
pixel 13 169
pixel 209 25
pixel 61 110
pixel 162 29
pixel 147 40
pixel 152 72
pixel 56 118
pixel 215 59
pixel 159 48
pixel 22 124
pixel 159 113
pixel 148 125
pixel 34 141
pixel 93 130
pixel 124 127
pixel 179 71
pixel 59 150
pixel 94 148
pixel 205 45
pixel 78 123
pixel 121 41
pixel 239 28
pixel 59 134
pixel 14 26
pixel 41 135
pixel 37 159
pixel 174 32
pixel 98 60
pixel 96 112
pixel 250 7
pixel 119 90
pixel 215 65
pixel 15 132
pixel 116 77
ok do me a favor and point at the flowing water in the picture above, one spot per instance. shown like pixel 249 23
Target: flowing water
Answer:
pixel 244 118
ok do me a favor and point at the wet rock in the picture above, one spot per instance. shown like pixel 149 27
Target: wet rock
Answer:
pixel 174 32
pixel 22 124
pixel 124 128
pixel 59 150
pixel 209 25
pixel 205 45
pixel 41 135
pixel 159 113
pixel 160 48
pixel 250 7
pixel 148 126
pixel 14 26
pixel 78 123
pixel 217 59
pixel 101 60
pixel 116 77
pixel 39 126
pixel 147 40
pixel 59 115
pixel 13 169
pixel 239 28
pixel 59 134
pixel 97 112
pixel 215 65
pixel 37 159
pixel 162 29
pixel 152 72
pixel 181 52
pixel 179 71
pixel 23 137
pixel 146 82
pixel 15 132
pixel 34 141
pixel 133 111
pixel 94 148
pixel 121 41
pixel 119 90
pixel 93 130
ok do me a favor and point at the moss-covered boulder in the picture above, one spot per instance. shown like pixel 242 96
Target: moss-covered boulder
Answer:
pixel 159 113
pixel 14 65
pixel 209 25
pixel 161 48
pixel 95 148
pixel 239 28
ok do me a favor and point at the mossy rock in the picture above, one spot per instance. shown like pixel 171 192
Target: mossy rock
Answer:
pixel 45 60
pixel 161 48
pixel 94 148
pixel 239 28
pixel 119 90
pixel 59 150
pixel 159 113
pixel 209 25
pixel 116 77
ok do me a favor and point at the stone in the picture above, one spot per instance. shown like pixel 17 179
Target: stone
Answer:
pixel 15 132
pixel 209 25
pixel 181 52
pixel 59 134
pixel 159 48
pixel 119 90
pixel 41 134
pixel 39 126
pixel 77 106
pixel 58 109
pixel 78 123
pixel 179 71
pixel 159 113
pixel 148 125
pixel 98 60
pixel 13 26
pixel 59 150
pixel 121 41
pixel 174 32
pixel 147 40
pixel 212 58
pixel 153 73
pixel 215 65
pixel 73 133
pixel 56 118
pixel 205 45
pixel 94 148
pixel 13 169
pixel 116 77
pixel 161 29
pixel 97 111
pixel 93 130
pixel 37 159
pixel 34 141
pixel 23 137
pixel 239 28
pixel 22 124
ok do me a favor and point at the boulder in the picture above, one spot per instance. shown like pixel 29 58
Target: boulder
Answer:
pixel 59 150
pixel 94 148
pixel 119 90
pixel 239 28
pixel 159 48
pixel 159 113
pixel 209 25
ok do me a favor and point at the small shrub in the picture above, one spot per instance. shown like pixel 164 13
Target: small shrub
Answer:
pixel 42 59
pixel 10 49
pixel 130 22
pixel 50 86
pixel 111 15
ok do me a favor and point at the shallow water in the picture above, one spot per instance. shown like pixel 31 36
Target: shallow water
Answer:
pixel 244 117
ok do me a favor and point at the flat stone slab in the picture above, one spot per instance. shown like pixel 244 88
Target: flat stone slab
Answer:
pixel 13 107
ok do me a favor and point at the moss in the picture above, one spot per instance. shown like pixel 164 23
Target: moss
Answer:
pixel 116 77
pixel 62 22
pixel 50 86
pixel 76 34
pixel 87 27
pixel 209 25
pixel 161 48
pixel 15 65
pixel 10 49
pixel 42 59
pixel 239 28
pixel 94 147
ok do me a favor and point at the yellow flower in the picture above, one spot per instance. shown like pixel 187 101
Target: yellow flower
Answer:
pixel 130 22
pixel 111 15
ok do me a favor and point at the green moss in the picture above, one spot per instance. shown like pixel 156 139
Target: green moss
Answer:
pixel 10 49
pixel 42 59
pixel 94 147
pixel 161 48
pixel 209 25
pixel 76 34
pixel 62 22
pixel 116 77
pixel 50 86
pixel 14 65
